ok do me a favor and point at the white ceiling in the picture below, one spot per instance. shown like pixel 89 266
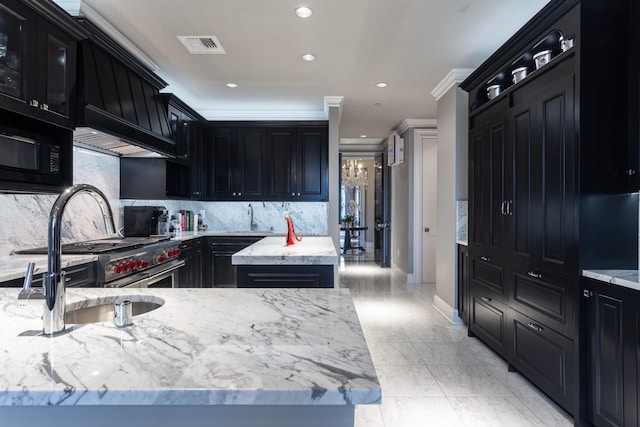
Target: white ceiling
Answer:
pixel 410 44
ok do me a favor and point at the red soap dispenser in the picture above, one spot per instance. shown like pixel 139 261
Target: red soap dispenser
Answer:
pixel 291 234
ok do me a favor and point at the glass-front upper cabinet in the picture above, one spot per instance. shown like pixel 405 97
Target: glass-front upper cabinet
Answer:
pixel 13 40
pixel 37 65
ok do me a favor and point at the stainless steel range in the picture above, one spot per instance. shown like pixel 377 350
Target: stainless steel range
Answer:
pixel 141 262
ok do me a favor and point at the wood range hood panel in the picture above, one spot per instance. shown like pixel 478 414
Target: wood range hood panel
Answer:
pixel 115 99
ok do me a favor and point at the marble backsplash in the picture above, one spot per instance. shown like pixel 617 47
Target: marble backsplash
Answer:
pixel 24 218
pixel 462 217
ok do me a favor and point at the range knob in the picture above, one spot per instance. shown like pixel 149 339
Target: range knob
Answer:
pixel 145 264
pixel 161 258
pixel 118 268
pixel 138 263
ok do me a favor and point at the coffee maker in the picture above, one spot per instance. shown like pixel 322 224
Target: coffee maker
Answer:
pixel 144 221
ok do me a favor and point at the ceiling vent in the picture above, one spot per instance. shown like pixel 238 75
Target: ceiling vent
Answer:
pixel 202 44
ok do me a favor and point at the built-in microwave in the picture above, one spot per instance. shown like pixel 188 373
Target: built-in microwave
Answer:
pixel 31 162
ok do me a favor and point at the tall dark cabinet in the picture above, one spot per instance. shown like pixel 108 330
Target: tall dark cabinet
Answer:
pixel 277 161
pixel 547 191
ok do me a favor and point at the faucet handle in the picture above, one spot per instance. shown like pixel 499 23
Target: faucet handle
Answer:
pixel 28 293
pixel 26 285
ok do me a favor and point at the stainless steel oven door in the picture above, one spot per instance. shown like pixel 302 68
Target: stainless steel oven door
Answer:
pixel 161 276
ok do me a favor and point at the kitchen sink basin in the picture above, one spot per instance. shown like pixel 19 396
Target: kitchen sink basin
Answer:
pixel 102 310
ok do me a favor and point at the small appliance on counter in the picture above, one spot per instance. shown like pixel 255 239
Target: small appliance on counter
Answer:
pixel 143 221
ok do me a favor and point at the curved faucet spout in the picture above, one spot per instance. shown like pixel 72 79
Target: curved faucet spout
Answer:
pixel 53 283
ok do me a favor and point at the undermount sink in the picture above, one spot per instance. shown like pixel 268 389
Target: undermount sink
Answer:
pixel 101 310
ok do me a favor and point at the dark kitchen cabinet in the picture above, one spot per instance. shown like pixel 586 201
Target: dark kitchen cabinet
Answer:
pixel 191 274
pixel 187 129
pixel 77 276
pixel 612 354
pixel 222 274
pixel 544 356
pixel 37 65
pixel 236 159
pixel 464 300
pixel 548 187
pixel 154 179
pixel 285 276
pixel 488 319
pixel 298 164
pixel 488 174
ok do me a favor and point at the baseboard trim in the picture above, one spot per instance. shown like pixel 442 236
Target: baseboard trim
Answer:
pixel 446 310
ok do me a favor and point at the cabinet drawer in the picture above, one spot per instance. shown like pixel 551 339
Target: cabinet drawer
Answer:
pixel 545 357
pixel 545 298
pixel 487 275
pixel 488 321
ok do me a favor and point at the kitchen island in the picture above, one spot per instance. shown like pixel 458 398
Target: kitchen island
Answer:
pixel 223 357
pixel 270 262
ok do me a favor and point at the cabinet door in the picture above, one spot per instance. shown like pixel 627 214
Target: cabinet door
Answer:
pixel 463 283
pixel 221 155
pixel 57 66
pixel 612 355
pixel 487 202
pixel 196 158
pixel 18 57
pixel 544 173
pixel 311 164
pixel 249 164
pixel 282 154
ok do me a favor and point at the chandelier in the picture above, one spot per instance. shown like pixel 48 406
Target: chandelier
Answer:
pixel 353 175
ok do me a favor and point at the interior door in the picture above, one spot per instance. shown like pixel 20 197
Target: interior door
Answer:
pixel 382 252
pixel 429 223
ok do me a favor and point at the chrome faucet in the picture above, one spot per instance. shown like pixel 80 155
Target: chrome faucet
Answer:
pixel 254 225
pixel 53 281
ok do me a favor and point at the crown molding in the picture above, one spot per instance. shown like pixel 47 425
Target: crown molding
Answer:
pixel 416 123
pixel 97 20
pixel 296 115
pixel 333 101
pixel 454 78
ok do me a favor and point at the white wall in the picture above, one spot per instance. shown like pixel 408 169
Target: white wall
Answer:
pixel 452 177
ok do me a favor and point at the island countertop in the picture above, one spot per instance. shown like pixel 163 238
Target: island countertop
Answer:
pixel 202 347
pixel 273 250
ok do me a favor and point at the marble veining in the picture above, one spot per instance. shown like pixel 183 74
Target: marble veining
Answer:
pixel 462 221
pixel 627 278
pixel 203 346
pixel 273 250
pixel 310 218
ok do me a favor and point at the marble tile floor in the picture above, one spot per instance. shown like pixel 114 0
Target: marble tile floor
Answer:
pixel 431 372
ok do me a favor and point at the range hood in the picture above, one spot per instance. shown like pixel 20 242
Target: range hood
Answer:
pixel 120 109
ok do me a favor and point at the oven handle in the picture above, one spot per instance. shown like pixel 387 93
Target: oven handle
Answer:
pixel 164 273
pixel 145 280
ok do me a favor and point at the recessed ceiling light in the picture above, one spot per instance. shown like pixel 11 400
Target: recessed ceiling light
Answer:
pixel 303 11
pixel 231 84
pixel 308 57
pixel 363 136
pixel 377 104
pixel 381 84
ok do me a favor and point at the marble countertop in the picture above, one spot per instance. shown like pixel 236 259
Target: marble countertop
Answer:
pixel 627 278
pixel 273 250
pixel 202 347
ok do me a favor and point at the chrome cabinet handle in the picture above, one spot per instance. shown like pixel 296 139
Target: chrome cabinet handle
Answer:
pixel 484 258
pixel 536 275
pixel 502 208
pixel 535 327
pixel 34 103
pixel 485 299
pixel 44 107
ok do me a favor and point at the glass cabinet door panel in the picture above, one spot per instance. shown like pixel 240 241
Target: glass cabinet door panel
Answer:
pixel 11 52
pixel 57 91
